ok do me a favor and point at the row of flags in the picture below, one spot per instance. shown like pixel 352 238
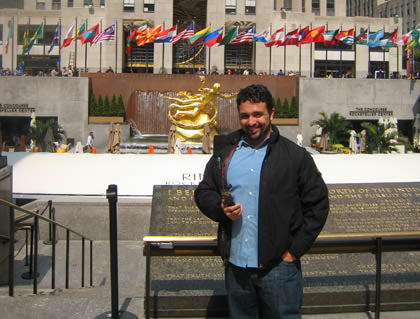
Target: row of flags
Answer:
pixel 144 35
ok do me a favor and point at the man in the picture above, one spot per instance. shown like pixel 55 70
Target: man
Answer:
pixel 278 207
pixel 89 142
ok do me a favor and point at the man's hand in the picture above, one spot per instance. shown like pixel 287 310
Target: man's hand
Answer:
pixel 232 212
pixel 288 257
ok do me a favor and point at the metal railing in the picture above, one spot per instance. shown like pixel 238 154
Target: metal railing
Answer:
pixel 375 243
pixel 22 221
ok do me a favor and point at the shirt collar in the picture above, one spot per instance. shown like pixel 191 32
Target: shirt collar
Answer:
pixel 243 143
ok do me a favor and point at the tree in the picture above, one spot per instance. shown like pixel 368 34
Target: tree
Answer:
pixel 107 106
pixel 93 105
pixel 39 132
pixel 121 108
pixel 294 108
pixel 378 139
pixel 335 125
pixel 100 109
pixel 114 106
pixel 286 108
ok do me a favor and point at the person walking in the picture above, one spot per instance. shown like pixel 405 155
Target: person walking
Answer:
pixel 89 142
pixel 271 203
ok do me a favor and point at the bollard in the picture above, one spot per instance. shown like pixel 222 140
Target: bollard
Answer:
pixel 112 196
pixel 51 215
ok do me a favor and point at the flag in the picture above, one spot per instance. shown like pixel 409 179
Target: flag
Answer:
pixel 198 37
pixel 276 38
pixel 301 34
pixel 147 35
pixel 262 36
pixel 389 40
pixel 130 37
pixel 314 35
pixel 55 37
pixel 68 38
pixel 107 35
pixel 229 36
pixel 291 37
pixel 186 34
pixel 413 40
pixel 329 37
pixel 166 36
pixel 373 39
pixel 213 37
pixel 9 35
pixel 39 34
pixel 79 31
pixel 244 36
pixel 346 37
pixel 361 38
pixel 89 35
pixel 26 35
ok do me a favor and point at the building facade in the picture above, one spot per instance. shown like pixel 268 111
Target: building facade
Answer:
pixel 311 60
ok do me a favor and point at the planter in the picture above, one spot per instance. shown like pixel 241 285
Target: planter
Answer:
pixel 285 121
pixel 106 119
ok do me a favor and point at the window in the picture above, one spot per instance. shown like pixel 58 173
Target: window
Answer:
pixel 87 3
pixel 315 7
pixel 40 4
pixel 102 3
pixel 414 7
pixel 408 9
pixel 69 3
pixel 128 5
pixel 330 7
pixel 287 5
pixel 1 34
pixel 56 5
pixel 402 11
pixel 230 7
pixel 250 7
pixel 149 6
pixel 303 6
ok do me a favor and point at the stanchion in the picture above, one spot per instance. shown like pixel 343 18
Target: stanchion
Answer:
pixel 51 215
pixel 112 196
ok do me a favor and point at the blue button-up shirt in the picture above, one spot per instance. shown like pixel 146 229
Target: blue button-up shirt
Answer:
pixel 243 178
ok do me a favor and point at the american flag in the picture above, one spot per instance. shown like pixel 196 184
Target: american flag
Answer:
pixel 187 33
pixel 244 36
pixel 107 35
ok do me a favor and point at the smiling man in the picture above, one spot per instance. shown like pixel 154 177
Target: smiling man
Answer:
pixel 271 203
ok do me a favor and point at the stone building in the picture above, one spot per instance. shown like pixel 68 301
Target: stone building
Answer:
pixel 309 60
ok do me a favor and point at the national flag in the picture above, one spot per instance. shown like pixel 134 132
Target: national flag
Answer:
pixel 244 36
pixel 346 37
pixel 198 36
pixel 373 39
pixel 403 40
pixel 130 37
pixel 55 37
pixel 413 40
pixel 185 34
pixel 166 35
pixel 9 35
pixel 301 34
pixel 147 35
pixel 329 37
pixel 39 34
pixel 291 37
pixel 26 35
pixel 314 35
pixel 88 35
pixel 213 37
pixel 277 38
pixel 107 35
pixel 229 36
pixel 361 38
pixel 79 31
pixel 261 36
pixel 389 40
pixel 68 38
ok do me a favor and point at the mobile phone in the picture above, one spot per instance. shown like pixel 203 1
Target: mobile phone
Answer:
pixel 227 198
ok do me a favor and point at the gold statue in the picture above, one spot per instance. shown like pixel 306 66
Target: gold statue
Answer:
pixel 189 113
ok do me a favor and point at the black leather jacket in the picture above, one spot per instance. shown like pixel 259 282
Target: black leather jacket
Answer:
pixel 293 201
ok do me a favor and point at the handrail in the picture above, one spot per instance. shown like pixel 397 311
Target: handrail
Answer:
pixel 34 233
pixel 326 243
pixel 6 203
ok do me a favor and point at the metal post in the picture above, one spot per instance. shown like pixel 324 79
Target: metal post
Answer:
pixel 112 195
pixel 67 257
pixel 147 301
pixel 378 255
pixel 83 262
pixel 54 235
pixel 11 250
pixel 35 259
pixel 51 215
pixel 91 263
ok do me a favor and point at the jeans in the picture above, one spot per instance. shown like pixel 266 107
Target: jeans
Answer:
pixel 275 293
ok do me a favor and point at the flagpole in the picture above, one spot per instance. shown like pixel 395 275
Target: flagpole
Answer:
pixel 163 50
pixel 100 52
pixel 326 50
pixel 355 51
pixel 116 45
pixel 300 55
pixel 341 52
pixel 13 41
pixel 43 32
pixel 75 48
pixel 269 65
pixel 310 57
pixel 284 51
pixel 59 49
pixel 86 52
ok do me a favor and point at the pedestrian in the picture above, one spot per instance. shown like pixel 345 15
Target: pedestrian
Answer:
pixel 109 70
pixel 273 207
pixel 89 142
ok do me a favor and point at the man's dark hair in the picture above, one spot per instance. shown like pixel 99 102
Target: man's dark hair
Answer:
pixel 255 93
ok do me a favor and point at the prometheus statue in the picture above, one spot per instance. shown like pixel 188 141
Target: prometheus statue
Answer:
pixel 189 113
